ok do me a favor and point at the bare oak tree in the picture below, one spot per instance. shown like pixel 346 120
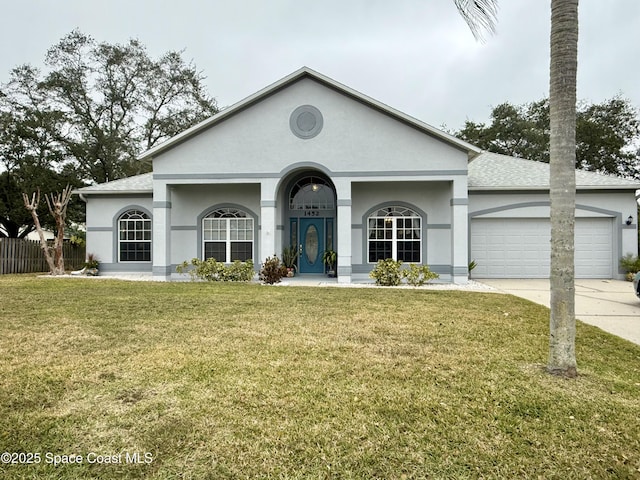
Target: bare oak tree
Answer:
pixel 57 204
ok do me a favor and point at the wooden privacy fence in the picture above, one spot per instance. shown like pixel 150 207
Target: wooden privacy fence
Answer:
pixel 25 256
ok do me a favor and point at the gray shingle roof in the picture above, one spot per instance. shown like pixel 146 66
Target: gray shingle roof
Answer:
pixel 488 171
pixel 136 184
pixel 492 171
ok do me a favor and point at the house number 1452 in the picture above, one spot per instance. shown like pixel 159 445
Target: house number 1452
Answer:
pixel 311 213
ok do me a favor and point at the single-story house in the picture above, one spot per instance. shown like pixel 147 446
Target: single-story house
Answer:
pixel 312 163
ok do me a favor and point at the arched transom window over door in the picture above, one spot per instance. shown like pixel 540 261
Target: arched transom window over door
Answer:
pixel 228 235
pixel 395 232
pixel 312 193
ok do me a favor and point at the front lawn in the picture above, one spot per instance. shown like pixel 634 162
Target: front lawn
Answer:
pixel 193 380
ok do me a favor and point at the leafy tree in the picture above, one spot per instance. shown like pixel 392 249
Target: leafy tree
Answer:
pixel 87 118
pixel 15 221
pixel 117 102
pixel 481 14
pixel 30 155
pixel 605 134
pixel 515 130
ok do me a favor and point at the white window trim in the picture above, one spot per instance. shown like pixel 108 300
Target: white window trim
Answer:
pixel 228 241
pixel 394 233
pixel 146 218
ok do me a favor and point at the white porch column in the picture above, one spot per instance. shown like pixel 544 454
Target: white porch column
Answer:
pixel 460 231
pixel 343 194
pixel 269 243
pixel 161 231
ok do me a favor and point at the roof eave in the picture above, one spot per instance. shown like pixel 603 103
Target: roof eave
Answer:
pixel 291 78
pixel 111 192
pixel 507 189
pixel 546 188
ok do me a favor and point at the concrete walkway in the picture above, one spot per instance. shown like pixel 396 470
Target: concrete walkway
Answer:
pixel 608 304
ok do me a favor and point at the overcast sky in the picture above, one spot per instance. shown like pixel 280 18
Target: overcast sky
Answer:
pixel 417 56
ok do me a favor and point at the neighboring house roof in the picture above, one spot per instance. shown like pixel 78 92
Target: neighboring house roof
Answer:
pixel 492 171
pixel 130 185
pixel 296 76
pixel 34 236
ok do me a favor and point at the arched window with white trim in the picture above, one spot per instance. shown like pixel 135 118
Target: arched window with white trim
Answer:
pixel 134 237
pixel 227 235
pixel 395 232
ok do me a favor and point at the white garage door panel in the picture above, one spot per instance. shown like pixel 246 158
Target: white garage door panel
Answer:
pixel 593 248
pixel 520 248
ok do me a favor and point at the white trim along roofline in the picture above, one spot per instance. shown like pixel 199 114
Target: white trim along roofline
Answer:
pixel 306 72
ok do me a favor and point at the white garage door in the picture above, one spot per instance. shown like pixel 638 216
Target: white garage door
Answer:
pixel 519 248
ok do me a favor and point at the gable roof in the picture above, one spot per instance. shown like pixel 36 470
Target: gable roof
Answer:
pixel 296 76
pixel 492 171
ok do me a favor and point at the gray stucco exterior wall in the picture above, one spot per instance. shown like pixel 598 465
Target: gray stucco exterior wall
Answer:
pixel 251 156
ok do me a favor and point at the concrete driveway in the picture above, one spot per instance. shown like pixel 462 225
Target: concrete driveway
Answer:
pixel 608 304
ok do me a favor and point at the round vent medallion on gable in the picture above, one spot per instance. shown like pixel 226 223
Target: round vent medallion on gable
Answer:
pixel 306 122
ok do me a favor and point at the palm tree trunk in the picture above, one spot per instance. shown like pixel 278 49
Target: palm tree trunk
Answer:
pixel 562 101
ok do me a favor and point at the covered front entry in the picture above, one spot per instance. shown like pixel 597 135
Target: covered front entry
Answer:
pixel 311 214
pixel 316 236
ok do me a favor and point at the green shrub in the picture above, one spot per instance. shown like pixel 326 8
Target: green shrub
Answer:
pixel 239 271
pixel 209 269
pixel 78 241
pixel 272 270
pixel 630 263
pixel 418 275
pixel 387 272
pixel 92 261
pixel 213 271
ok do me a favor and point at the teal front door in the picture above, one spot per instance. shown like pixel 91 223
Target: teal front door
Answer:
pixel 311 245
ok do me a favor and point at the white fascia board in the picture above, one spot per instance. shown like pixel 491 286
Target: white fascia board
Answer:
pixel 276 86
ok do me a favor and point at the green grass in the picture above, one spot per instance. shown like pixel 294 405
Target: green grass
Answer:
pixel 247 381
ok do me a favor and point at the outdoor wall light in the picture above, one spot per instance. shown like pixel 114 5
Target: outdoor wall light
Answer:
pixel 629 220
